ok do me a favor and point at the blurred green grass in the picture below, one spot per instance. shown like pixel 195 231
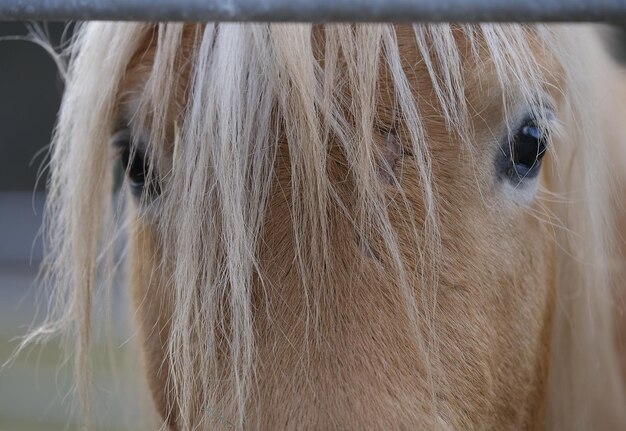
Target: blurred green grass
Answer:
pixel 36 389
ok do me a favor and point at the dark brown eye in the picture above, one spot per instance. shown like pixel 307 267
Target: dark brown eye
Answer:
pixel 136 166
pixel 521 154
pixel 529 146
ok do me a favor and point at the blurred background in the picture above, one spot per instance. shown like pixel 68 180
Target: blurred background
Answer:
pixel 35 391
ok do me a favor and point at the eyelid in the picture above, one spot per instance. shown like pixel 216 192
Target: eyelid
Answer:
pixel 549 117
pixel 545 125
pixel 124 141
pixel 121 139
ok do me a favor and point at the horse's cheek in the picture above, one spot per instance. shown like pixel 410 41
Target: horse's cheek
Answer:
pixel 494 305
pixel 525 343
pixel 152 303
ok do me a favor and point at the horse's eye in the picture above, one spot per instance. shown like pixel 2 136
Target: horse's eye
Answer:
pixel 529 145
pixel 136 166
pixel 520 157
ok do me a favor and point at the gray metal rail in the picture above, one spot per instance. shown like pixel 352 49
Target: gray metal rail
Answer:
pixel 318 10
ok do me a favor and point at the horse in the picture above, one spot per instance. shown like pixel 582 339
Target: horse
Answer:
pixel 348 226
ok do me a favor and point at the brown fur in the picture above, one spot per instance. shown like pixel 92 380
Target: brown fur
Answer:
pixel 617 143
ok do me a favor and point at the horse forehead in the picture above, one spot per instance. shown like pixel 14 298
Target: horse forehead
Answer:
pixel 469 45
pixel 477 74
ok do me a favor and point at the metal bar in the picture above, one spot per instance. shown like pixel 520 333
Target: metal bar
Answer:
pixel 317 10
